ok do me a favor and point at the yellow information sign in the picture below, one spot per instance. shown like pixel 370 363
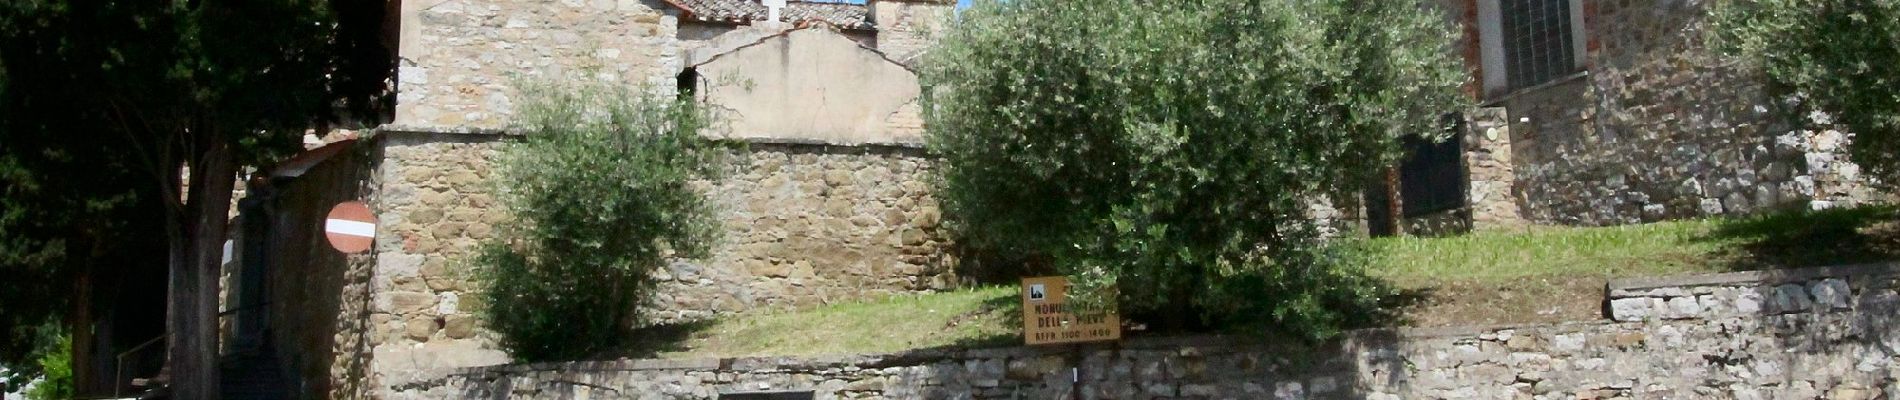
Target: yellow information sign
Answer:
pixel 1047 320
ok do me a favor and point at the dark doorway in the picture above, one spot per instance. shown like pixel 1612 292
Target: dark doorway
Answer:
pixel 1430 179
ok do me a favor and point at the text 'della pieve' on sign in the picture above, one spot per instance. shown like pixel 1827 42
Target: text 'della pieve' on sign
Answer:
pixel 1048 320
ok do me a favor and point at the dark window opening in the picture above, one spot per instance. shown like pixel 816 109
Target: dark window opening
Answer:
pixel 688 84
pixel 1538 41
pixel 1432 177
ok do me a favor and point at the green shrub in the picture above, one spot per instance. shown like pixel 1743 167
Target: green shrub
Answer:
pixel 1170 149
pixel 1833 56
pixel 56 365
pixel 601 191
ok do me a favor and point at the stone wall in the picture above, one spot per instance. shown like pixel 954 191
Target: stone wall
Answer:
pixel 458 57
pixel 311 304
pixel 316 296
pixel 906 28
pixel 787 86
pixel 434 204
pixel 1753 293
pixel 810 224
pixel 1491 169
pixel 1833 352
pixel 804 224
pixel 1661 127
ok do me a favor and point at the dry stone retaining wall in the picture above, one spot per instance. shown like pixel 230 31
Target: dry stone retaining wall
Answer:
pixel 1754 293
pixel 1809 352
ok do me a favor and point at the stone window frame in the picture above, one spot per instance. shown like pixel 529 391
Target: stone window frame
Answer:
pixel 1497 65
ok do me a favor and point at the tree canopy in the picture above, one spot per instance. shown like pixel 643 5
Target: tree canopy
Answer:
pixel 601 187
pixel 1835 57
pixel 106 105
pixel 1170 150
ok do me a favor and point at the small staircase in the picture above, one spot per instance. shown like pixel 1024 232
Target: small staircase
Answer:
pixel 252 375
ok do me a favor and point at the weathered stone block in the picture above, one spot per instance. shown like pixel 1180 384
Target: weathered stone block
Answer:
pixel 1748 301
pixel 1631 309
pixel 1791 298
pixel 459 326
pixel 1682 308
pixel 420 328
pixel 1830 293
pixel 447 303
pixel 1289 391
pixel 404 302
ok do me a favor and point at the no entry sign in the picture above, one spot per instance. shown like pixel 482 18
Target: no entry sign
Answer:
pixel 351 228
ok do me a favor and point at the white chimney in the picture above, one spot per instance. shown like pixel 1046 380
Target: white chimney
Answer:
pixel 772 8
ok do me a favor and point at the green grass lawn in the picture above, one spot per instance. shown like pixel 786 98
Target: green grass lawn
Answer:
pixel 1533 275
pixel 1770 241
pixel 979 317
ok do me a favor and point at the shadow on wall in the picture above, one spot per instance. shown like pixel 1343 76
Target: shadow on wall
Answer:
pixel 1820 331
pixel 1839 324
pixel 1191 367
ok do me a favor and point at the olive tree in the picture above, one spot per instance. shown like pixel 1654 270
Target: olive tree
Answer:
pixel 1837 57
pixel 1170 150
pixel 601 189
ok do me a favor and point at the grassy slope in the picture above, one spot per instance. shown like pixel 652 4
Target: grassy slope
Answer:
pixel 1557 274
pixel 1536 275
pixel 974 317
pixel 1544 274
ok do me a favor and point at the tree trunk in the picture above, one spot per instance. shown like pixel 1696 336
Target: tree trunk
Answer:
pixel 197 235
pixel 1395 201
pixel 79 324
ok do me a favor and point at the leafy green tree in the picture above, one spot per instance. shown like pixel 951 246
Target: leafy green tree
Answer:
pixel 57 364
pixel 1169 150
pixel 602 189
pixel 1835 56
pixel 123 126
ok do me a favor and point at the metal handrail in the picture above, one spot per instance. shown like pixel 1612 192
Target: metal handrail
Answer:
pixel 118 373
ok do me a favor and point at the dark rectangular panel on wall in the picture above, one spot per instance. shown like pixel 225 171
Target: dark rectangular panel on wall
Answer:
pixel 1432 178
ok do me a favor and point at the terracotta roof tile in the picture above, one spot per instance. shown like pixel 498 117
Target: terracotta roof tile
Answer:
pixel 844 15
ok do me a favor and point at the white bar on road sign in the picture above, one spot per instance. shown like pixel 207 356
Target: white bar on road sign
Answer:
pixel 352 228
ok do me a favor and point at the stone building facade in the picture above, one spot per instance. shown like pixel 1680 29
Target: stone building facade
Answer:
pixel 831 203
pixel 817 206
pixel 1632 117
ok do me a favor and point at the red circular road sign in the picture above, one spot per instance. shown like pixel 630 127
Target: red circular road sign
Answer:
pixel 351 228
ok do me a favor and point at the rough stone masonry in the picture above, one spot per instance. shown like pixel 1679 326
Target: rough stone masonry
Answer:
pixel 1661 126
pixel 1836 338
pixel 1653 130
pixel 807 221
